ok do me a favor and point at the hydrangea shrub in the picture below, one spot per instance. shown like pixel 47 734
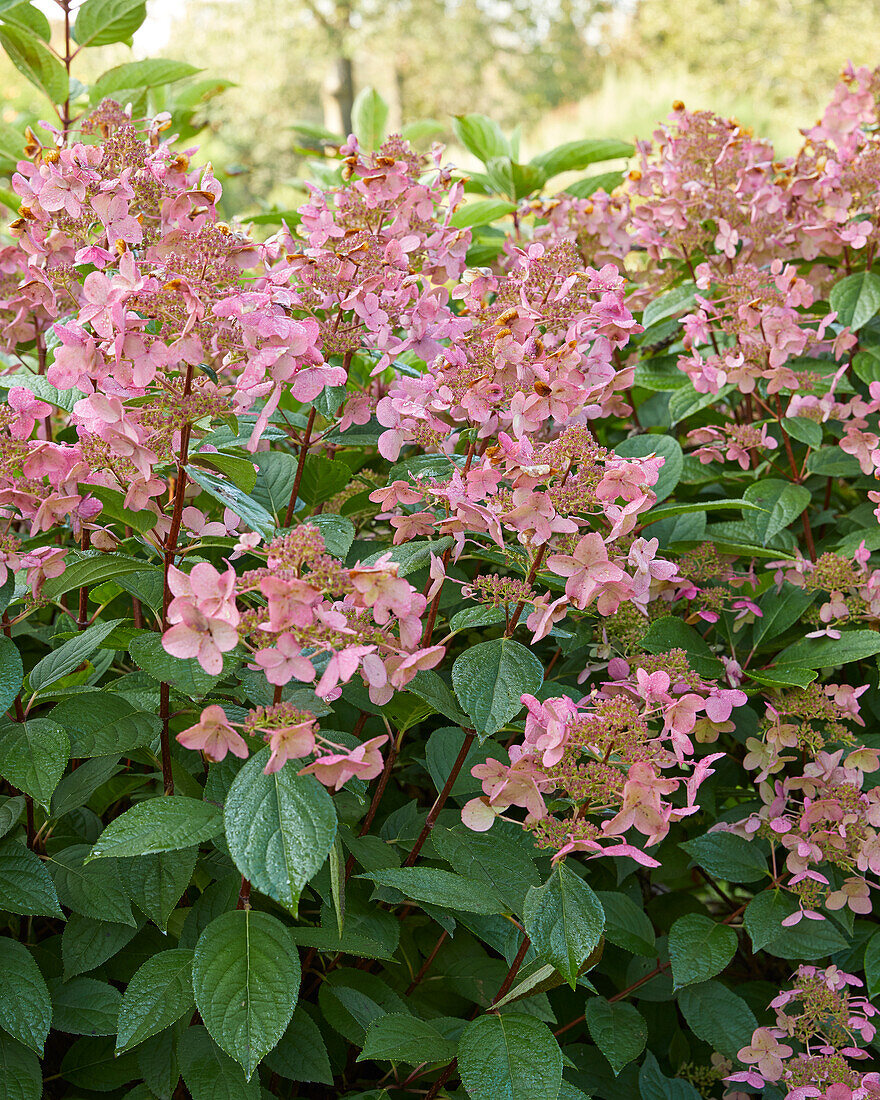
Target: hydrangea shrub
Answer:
pixel 440 637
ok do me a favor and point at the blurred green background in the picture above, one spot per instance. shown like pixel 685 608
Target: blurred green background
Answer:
pixel 555 69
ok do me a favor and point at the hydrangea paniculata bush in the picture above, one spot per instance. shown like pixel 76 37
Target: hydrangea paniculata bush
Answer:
pixel 440 632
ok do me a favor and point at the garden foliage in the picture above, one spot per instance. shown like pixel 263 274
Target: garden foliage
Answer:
pixel 440 640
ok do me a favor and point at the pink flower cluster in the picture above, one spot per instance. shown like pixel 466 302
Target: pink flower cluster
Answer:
pixel 304 608
pixel 826 1022
pixel 292 734
pixel 615 758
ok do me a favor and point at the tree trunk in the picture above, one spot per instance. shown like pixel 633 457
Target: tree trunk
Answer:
pixel 339 96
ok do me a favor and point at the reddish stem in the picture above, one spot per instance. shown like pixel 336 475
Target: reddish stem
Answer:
pixel 300 467
pixel 533 572
pixel 168 562
pixel 440 801
pixel 426 965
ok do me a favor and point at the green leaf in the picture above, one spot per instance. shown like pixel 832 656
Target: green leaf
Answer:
pixel 481 212
pixel 11 672
pixel 279 828
pixel 25 884
pixel 480 136
pixel 337 531
pixel 433 689
pixel 852 645
pixel 40 386
pixel 496 859
pixel 727 856
pixel 477 615
pixel 102 724
pixel 411 556
pixel 660 374
pixel 713 504
pixel 872 964
pixel 20 1071
pixel 833 462
pixel 183 673
pixel 33 756
pixel 100 22
pixel 90 888
pixel 276 473
pixel 606 181
pixel 654 1086
pixel 156 882
pixel 400 1038
pixel 443 747
pixel 87 942
pixel 369 118
pixel 806 941
pixel 421 128
pixel 626 925
pixel 135 75
pixel 512 179
pixel 246 976
pixel 301 1054
pixel 641 446
pixel 89 1064
pixel 718 1017
pixel 7 591
pixel 509 1057
pixel 618 1030
pixel 159 993
pixel 25 1007
pixel 764 916
pixel 241 471
pixel 856 298
pixel 11 149
pixel 435 887
pixel 575 155
pixel 803 430
pixel 242 504
pixel 85 1006
pixel 866 364
pixel 782 502
pixel 699 948
pixel 490 680
pixel 90 568
pixel 209 1073
pixel 676 300
pixel 11 810
pixel 113 509
pixel 788 676
pixel 69 656
pixel 322 479
pixel 34 61
pixel 781 610
pixel 686 401
pixel 76 788
pixel 670 632
pixel 163 824
pixel 28 18
pixel 565 921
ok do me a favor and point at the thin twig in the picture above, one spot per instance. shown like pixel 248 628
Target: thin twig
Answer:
pixel 300 467
pixel 440 801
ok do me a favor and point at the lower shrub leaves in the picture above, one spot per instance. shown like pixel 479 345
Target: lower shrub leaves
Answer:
pixel 246 977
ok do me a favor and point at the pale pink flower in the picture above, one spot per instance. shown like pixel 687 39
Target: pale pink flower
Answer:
pixel 213 735
pixel 766 1052
pixel 587 569
pixel 291 743
pixel 197 635
pixel 335 770
pixel 284 661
